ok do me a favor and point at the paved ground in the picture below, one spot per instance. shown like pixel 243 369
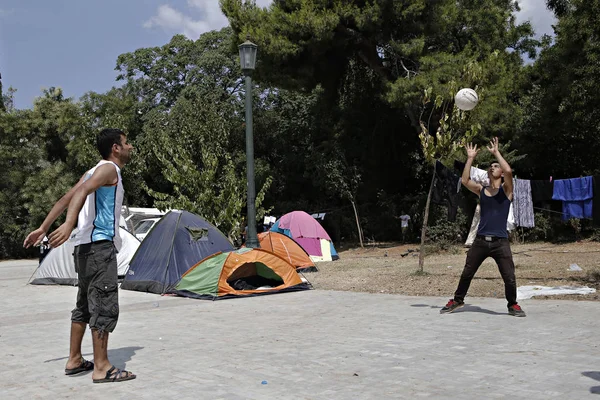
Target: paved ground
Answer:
pixel 304 345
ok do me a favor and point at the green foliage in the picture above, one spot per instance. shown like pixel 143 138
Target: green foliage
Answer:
pixel 445 232
pixel 543 230
pixel 409 45
pixel 18 158
pixel 44 188
pixel 353 100
pixel 560 129
pixel 549 227
pixel 35 164
pixel 408 58
pixel 8 100
pixel 2 106
pixel 156 76
pixel 190 146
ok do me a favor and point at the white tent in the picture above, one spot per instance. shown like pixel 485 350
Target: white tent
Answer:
pixel 58 267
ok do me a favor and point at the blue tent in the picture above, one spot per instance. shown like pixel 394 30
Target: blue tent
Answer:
pixel 176 243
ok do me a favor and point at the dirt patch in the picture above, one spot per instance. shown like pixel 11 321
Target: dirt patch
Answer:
pixel 390 268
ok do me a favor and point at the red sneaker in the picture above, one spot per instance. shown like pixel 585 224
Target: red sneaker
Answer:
pixel 516 310
pixel 451 306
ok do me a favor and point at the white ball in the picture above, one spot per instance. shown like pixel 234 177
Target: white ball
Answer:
pixel 466 99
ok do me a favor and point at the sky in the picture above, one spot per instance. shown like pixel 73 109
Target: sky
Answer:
pixel 74 44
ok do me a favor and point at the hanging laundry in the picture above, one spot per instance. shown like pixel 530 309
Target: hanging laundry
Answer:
pixel 480 176
pixel 459 166
pixel 445 189
pixel 576 195
pixel 476 174
pixel 541 191
pixel 522 203
pixel 596 201
pixel 474 226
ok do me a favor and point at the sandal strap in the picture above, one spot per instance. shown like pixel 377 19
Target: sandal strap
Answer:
pixel 120 374
pixel 109 372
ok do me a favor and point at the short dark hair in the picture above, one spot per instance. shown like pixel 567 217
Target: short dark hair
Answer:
pixel 105 140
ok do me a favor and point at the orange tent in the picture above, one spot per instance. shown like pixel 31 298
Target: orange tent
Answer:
pixel 242 272
pixel 286 248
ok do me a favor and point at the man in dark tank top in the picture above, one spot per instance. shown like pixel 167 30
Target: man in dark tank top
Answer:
pixel 492 237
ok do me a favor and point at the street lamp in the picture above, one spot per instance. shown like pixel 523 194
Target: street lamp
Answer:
pixel 248 62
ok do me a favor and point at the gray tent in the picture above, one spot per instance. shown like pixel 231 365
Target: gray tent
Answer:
pixel 58 267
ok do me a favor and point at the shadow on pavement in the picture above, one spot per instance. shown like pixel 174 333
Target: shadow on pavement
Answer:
pixel 425 305
pixel 118 357
pixel 470 308
pixel 594 375
pixel 466 308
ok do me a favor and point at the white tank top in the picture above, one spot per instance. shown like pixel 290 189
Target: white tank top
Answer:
pixel 99 216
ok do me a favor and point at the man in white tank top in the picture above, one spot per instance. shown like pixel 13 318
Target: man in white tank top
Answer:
pixel 94 206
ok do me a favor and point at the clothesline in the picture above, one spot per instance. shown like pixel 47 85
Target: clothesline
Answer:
pixel 550 211
pixel 578 195
pixel 550 179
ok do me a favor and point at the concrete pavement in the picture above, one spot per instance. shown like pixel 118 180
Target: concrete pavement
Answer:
pixel 304 345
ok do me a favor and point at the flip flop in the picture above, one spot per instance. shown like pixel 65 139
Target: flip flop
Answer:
pixel 85 366
pixel 120 375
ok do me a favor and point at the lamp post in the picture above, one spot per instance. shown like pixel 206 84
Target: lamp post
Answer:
pixel 248 61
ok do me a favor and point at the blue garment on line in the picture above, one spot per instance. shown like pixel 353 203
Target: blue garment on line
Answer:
pixel 576 195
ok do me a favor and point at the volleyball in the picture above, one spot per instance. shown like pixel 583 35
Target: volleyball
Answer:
pixel 466 99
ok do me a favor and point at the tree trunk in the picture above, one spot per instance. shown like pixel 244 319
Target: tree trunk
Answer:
pixel 360 236
pixel 425 219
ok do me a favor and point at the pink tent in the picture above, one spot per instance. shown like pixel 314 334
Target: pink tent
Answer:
pixel 308 233
pixel 302 225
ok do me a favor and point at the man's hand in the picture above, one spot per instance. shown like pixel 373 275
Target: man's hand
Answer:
pixel 493 147
pixel 60 235
pixel 34 238
pixel 471 150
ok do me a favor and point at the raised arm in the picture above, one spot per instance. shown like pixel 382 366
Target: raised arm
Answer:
pixel 466 175
pixel 506 169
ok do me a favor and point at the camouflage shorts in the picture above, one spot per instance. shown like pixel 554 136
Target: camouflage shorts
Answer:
pixel 98 297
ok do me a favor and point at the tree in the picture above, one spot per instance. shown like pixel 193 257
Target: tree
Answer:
pixel 560 129
pixel 190 146
pixel 391 52
pixel 33 164
pixel 117 108
pixel 154 80
pixel 313 42
pixel 19 156
pixel 156 76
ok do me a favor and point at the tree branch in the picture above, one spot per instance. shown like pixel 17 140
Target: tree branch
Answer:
pixel 367 52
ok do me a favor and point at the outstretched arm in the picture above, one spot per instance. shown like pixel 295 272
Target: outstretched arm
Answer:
pixel 466 175
pixel 506 169
pixel 35 237
pixel 105 175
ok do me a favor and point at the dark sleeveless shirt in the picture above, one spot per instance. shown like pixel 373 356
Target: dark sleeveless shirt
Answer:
pixel 494 214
